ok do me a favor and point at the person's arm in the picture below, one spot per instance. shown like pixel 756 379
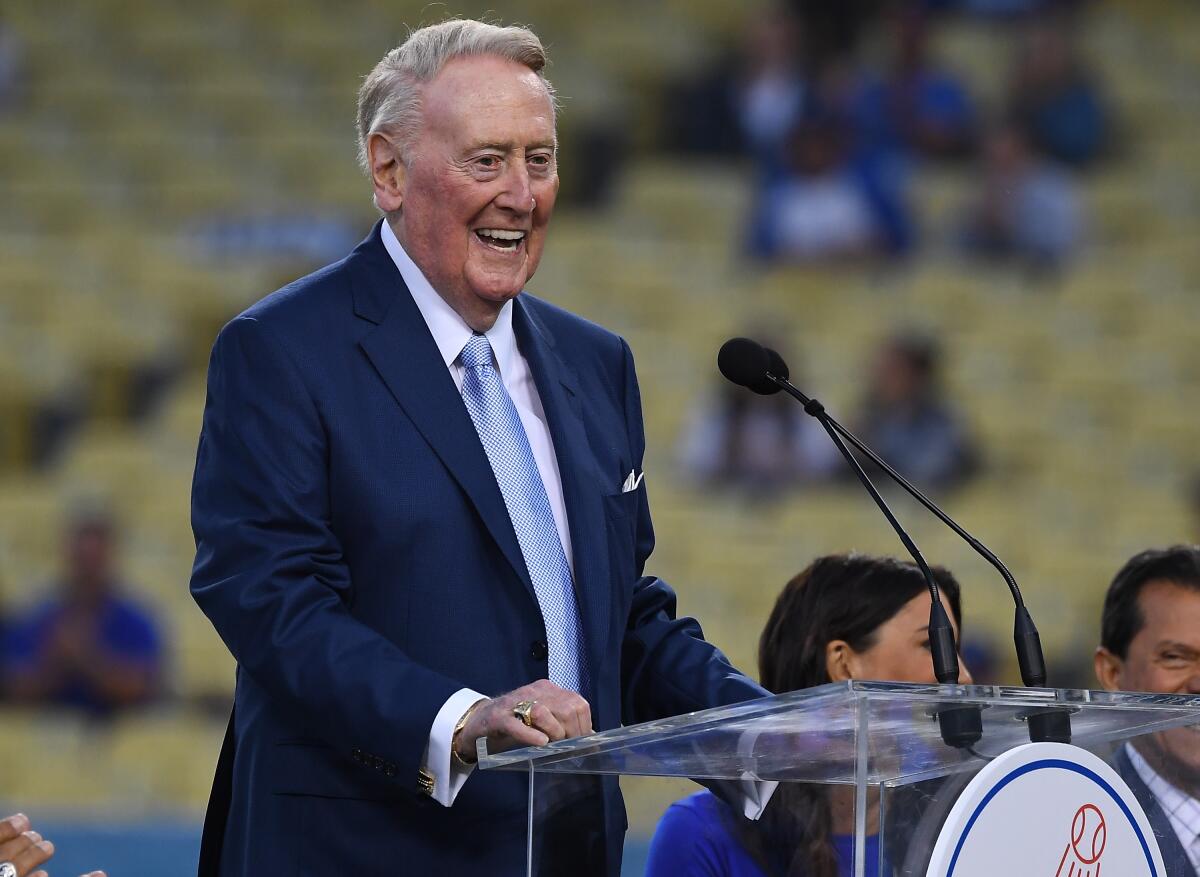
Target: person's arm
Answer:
pixel 270 572
pixel 448 771
pixel 667 667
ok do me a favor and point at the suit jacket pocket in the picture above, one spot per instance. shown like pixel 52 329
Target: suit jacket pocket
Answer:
pixel 303 768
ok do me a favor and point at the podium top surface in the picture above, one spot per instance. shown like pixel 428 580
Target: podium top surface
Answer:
pixel 812 735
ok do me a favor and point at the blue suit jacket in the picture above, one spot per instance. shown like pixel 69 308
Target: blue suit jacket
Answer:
pixel 355 555
pixel 1174 856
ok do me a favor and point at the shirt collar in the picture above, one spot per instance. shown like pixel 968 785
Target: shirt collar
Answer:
pixel 450 331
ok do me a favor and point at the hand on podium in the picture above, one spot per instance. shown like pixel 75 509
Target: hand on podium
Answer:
pixel 532 715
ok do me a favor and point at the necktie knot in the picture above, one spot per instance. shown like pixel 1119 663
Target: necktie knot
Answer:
pixel 476 353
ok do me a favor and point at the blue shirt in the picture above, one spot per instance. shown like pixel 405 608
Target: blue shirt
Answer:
pixel 693 839
pixel 124 630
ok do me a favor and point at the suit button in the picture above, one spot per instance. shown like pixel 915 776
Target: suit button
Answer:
pixel 538 650
pixel 357 755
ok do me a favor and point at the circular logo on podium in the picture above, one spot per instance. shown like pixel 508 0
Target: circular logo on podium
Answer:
pixel 1047 810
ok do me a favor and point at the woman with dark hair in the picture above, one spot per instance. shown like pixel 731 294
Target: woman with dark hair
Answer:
pixel 844 617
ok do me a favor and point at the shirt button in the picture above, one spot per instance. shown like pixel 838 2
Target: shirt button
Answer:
pixel 538 650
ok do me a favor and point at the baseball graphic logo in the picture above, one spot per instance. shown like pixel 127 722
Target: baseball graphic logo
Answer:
pixel 1089 833
pixel 1050 809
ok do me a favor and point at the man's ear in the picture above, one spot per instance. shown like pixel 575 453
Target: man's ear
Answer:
pixel 388 174
pixel 839 660
pixel 1108 669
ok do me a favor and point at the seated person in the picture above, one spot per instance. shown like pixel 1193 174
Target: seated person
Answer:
pixel 1055 97
pixel 1025 210
pixel 909 419
pixel 844 617
pixel 1150 641
pixel 824 206
pixel 763 445
pixel 915 106
pixel 88 645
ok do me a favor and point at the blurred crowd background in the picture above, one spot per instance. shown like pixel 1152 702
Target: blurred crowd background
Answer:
pixel 969 225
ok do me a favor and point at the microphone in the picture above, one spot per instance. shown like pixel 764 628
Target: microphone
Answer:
pixel 1044 725
pixel 749 364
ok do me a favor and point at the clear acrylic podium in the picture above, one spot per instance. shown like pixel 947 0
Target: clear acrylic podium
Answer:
pixel 880 739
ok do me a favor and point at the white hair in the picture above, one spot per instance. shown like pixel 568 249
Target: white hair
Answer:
pixel 389 101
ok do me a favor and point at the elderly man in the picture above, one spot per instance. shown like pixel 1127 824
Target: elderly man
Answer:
pixel 1150 641
pixel 420 515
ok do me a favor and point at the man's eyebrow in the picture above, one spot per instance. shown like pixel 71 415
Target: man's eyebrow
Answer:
pixel 508 146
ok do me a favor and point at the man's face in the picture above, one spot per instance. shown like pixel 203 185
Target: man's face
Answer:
pixel 89 561
pixel 1164 656
pixel 480 183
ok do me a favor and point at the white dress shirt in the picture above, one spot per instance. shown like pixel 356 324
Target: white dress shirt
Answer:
pixel 1183 811
pixel 451 333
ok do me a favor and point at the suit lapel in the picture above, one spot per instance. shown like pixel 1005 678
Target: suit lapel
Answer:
pixel 1174 855
pixel 403 352
pixel 559 391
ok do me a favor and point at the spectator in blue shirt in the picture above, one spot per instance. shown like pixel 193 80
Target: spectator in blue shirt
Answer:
pixel 1056 98
pixel 88 645
pixel 844 617
pixel 915 107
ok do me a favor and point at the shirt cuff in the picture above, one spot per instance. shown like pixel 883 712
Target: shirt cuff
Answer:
pixel 756 795
pixel 447 773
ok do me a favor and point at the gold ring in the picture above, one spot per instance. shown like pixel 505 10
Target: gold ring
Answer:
pixel 524 712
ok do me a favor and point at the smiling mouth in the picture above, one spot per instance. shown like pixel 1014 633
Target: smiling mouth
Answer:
pixel 503 240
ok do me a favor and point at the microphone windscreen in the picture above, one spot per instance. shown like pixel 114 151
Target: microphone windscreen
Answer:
pixel 744 362
pixel 777 367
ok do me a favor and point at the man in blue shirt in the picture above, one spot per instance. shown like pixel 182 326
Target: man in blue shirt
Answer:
pixel 86 645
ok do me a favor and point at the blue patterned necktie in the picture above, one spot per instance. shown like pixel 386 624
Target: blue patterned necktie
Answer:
pixel 499 427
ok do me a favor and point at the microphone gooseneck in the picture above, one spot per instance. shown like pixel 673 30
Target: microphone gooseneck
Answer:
pixel 749 364
pixel 1028 642
pixel 961 725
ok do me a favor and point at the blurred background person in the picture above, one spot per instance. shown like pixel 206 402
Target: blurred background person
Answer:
pixel 907 418
pixel 1055 97
pixel 12 68
pixel 1150 641
pixel 1026 210
pixel 773 90
pixel 762 445
pixel 913 106
pixel 825 207
pixel 843 617
pixel 89 645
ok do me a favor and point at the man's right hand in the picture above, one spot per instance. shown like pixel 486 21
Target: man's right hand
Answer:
pixel 557 714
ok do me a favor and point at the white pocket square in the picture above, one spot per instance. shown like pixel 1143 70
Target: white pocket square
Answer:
pixel 632 481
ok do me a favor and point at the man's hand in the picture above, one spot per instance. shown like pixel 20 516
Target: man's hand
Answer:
pixel 557 714
pixel 24 848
